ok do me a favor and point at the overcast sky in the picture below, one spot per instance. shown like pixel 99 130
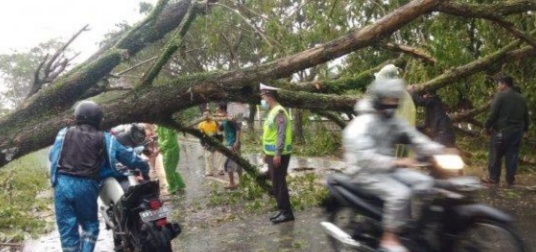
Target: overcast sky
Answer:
pixel 26 23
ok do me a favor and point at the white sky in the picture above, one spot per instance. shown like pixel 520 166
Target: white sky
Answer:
pixel 26 23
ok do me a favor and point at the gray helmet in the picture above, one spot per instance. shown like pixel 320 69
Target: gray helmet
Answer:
pixel 88 112
pixel 387 88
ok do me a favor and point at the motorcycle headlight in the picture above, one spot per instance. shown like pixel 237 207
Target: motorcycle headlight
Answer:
pixel 449 162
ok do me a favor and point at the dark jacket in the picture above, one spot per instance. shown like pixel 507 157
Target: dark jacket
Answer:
pixel 509 112
pixel 436 119
pixel 114 152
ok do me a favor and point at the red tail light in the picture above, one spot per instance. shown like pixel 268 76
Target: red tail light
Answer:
pixel 161 222
pixel 155 204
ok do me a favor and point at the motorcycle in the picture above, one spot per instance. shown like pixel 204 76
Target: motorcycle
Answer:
pixel 450 218
pixel 135 214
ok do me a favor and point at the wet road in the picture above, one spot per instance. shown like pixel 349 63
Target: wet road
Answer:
pixel 222 228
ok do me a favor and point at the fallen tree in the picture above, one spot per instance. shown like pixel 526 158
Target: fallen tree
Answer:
pixel 33 126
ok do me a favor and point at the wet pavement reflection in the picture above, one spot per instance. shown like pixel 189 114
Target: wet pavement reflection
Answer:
pixel 225 228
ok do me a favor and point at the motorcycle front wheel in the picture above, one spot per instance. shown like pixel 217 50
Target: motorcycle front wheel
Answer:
pixel 489 236
pixel 358 226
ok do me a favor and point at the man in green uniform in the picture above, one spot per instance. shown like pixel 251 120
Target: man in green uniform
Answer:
pixel 277 147
pixel 169 147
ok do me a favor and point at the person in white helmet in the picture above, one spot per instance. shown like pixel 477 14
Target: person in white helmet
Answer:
pixel 369 141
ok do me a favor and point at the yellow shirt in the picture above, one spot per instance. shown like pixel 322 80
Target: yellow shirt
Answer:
pixel 208 127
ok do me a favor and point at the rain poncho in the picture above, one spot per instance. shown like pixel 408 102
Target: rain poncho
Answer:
pixel 75 198
pixel 369 142
pixel 169 147
pixel 406 109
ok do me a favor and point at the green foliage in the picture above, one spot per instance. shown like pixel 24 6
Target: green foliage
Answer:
pixel 20 182
pixel 322 138
pixel 305 192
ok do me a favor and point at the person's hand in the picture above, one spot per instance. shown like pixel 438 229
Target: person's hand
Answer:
pixel 410 88
pixel 139 178
pixel 276 161
pixel 405 162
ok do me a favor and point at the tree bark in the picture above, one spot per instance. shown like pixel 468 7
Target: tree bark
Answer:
pixel 64 92
pixel 298 126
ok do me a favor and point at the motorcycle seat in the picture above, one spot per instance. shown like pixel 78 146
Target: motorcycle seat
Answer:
pixel 346 182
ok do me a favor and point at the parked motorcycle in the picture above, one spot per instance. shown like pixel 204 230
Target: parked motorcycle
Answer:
pixel 449 219
pixel 132 209
pixel 137 216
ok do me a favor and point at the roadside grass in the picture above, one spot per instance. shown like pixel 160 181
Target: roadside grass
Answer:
pixel 304 189
pixel 20 183
pixel 319 141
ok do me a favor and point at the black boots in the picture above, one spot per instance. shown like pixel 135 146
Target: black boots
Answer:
pixel 273 217
pixel 283 216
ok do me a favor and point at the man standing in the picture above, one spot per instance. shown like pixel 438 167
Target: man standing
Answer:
pixel 80 156
pixel 231 130
pixel 277 147
pixel 208 127
pixel 506 123
pixel 169 147
pixel 436 120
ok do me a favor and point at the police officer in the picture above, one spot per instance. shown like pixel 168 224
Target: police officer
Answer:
pixel 80 157
pixel 277 147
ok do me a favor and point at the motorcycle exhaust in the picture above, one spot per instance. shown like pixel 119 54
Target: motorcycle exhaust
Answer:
pixel 340 235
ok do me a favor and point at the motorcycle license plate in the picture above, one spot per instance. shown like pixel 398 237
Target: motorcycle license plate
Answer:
pixel 152 215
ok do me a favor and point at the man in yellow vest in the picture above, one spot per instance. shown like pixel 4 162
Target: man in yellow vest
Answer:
pixel 277 147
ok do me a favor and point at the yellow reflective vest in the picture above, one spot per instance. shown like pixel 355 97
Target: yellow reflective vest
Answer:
pixel 269 135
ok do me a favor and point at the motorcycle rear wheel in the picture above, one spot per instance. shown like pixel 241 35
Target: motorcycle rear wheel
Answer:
pixel 489 236
pixel 349 221
pixel 157 241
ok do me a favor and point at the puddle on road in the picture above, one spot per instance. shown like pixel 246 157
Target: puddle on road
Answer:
pixel 222 229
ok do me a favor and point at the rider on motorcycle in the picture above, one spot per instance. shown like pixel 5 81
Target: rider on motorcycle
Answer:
pixel 369 142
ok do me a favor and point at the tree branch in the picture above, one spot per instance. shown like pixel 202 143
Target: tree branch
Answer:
pixel 456 73
pixel 249 168
pixel 501 8
pixel 171 47
pixel 51 67
pixel 333 117
pixel 459 117
pixel 412 51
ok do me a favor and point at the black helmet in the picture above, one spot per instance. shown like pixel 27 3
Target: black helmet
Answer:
pixel 88 112
pixel 137 134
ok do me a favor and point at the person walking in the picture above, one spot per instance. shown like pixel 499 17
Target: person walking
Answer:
pixel 277 147
pixel 506 123
pixel 232 133
pixel 169 147
pixel 80 156
pixel 208 127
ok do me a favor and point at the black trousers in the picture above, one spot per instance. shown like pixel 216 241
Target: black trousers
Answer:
pixel 505 145
pixel 278 175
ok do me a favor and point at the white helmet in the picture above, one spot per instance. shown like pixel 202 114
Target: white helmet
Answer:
pixel 387 88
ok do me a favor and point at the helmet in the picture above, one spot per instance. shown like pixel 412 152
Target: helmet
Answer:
pixel 137 133
pixel 88 112
pixel 386 88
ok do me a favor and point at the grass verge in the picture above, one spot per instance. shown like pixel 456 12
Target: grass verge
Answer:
pixel 21 181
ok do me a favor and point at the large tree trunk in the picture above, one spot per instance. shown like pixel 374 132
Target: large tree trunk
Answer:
pixel 33 126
